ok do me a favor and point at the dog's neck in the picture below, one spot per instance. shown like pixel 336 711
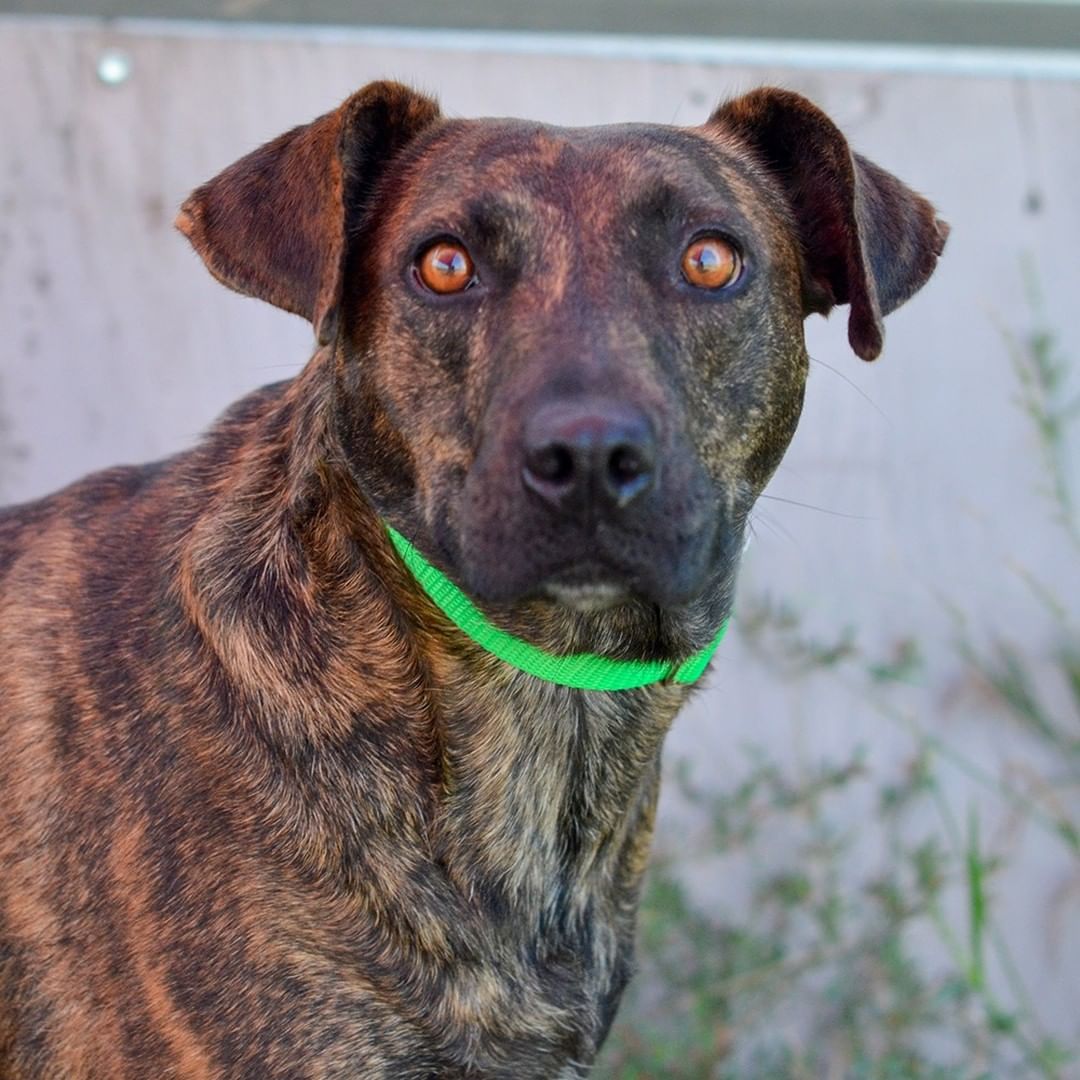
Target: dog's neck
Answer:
pixel 550 787
pixel 517 791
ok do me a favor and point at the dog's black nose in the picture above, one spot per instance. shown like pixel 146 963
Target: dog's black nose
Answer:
pixel 589 456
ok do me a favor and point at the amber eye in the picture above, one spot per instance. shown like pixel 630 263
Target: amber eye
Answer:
pixel 710 262
pixel 445 268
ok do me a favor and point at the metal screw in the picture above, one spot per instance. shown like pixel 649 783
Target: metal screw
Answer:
pixel 114 67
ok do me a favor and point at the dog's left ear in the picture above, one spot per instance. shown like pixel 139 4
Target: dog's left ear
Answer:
pixel 867 239
pixel 276 223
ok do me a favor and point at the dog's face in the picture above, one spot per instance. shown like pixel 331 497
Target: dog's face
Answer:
pixel 590 342
pixel 568 360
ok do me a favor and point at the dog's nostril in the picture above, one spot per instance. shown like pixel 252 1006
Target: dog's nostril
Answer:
pixel 625 465
pixel 552 464
pixel 629 472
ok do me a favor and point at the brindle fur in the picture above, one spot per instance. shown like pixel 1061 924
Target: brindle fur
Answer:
pixel 263 812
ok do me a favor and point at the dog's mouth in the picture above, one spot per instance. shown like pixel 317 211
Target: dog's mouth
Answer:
pixel 588 581
pixel 587 589
pixel 588 599
pixel 585 584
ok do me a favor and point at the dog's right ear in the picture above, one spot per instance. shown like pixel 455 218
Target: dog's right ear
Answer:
pixel 275 223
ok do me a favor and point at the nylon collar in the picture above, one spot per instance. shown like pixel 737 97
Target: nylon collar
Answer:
pixel 582 671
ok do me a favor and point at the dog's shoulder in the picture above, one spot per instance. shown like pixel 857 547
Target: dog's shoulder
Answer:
pixel 26 528
pixel 118 513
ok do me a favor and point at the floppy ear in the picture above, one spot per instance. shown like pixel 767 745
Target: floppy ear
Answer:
pixel 276 223
pixel 867 239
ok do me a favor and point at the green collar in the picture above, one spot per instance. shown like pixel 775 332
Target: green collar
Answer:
pixel 582 671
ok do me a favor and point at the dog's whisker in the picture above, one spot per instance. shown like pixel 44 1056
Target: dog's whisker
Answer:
pixel 819 509
pixel 772 525
pixel 854 386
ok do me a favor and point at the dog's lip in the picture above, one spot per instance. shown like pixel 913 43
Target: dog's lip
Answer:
pixel 594 572
pixel 587 596
pixel 589 585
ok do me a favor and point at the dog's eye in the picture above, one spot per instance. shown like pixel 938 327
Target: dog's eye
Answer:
pixel 710 262
pixel 446 268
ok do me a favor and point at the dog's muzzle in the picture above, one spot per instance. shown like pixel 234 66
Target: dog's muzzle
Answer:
pixel 583 499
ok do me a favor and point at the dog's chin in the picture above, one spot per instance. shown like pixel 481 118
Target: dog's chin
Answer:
pixel 588 599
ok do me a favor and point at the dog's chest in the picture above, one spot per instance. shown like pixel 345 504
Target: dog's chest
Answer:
pixel 514 1002
pixel 545 844
pixel 526 902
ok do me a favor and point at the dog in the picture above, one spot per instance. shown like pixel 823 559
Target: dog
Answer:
pixel 330 747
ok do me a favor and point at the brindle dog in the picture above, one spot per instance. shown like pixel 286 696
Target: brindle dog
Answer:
pixel 264 812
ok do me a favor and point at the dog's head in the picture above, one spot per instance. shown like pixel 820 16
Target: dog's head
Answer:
pixel 567 360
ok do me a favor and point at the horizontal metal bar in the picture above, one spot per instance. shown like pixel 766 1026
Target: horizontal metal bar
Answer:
pixel 968 61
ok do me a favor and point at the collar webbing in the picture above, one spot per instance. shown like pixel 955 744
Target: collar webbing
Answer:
pixel 582 671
